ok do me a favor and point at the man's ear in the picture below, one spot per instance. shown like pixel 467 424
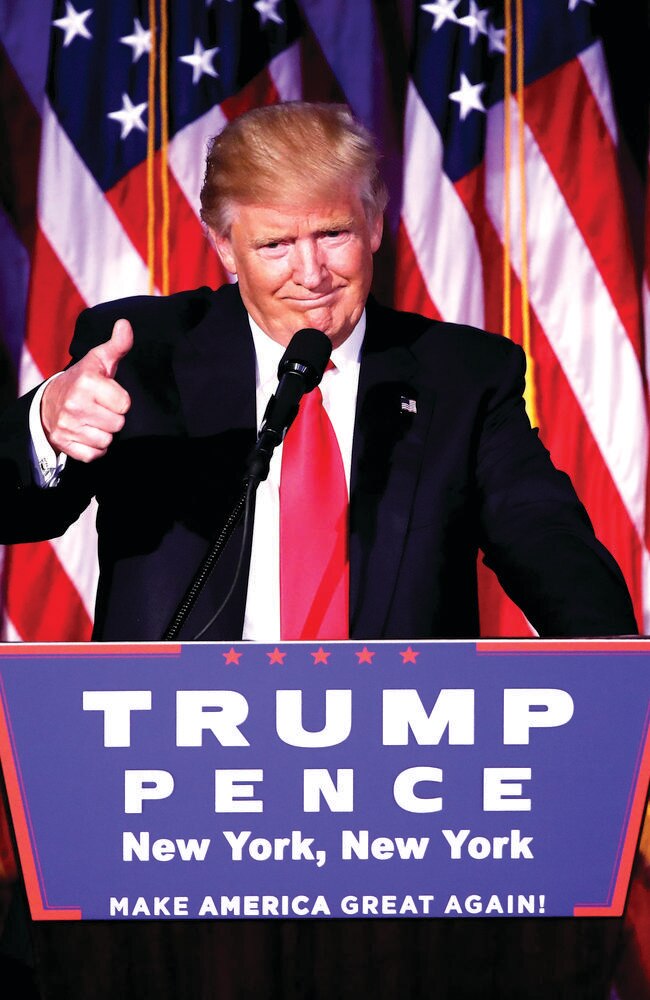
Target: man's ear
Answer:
pixel 223 246
pixel 376 232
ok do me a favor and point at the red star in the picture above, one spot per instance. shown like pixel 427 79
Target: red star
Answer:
pixel 408 655
pixel 232 656
pixel 320 656
pixel 276 656
pixel 365 656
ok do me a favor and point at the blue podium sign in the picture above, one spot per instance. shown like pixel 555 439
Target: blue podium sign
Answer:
pixel 350 780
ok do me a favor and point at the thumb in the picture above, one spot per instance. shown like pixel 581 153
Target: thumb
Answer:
pixel 111 353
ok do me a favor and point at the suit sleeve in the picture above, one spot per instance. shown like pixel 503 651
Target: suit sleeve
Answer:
pixel 31 513
pixel 535 533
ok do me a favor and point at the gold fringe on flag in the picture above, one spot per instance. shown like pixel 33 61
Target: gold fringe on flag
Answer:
pixel 529 392
pixel 507 162
pixel 151 150
pixel 158 63
pixel 164 145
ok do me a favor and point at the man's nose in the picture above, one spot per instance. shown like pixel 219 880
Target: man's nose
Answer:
pixel 308 265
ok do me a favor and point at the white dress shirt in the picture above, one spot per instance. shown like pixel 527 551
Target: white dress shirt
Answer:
pixel 47 465
pixel 339 388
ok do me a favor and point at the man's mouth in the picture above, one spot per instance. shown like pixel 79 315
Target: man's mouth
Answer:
pixel 313 300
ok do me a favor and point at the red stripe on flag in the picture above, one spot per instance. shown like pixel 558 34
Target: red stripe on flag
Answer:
pixel 41 600
pixel 257 94
pixel 410 290
pixel 563 427
pixel 567 435
pixel 471 191
pixel 8 866
pixel 54 304
pixel 562 114
pixel 498 614
pixel 192 260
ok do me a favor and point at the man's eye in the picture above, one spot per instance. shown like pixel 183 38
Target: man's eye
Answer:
pixel 273 247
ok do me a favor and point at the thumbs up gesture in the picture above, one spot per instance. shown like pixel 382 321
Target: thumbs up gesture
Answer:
pixel 84 407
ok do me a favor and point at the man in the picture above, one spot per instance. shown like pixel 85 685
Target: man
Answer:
pixel 159 410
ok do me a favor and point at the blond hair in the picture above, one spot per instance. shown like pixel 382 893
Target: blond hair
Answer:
pixel 288 153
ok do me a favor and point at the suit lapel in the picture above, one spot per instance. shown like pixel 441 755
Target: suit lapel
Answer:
pixel 214 368
pixel 387 455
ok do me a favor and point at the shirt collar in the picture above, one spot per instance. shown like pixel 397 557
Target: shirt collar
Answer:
pixel 268 352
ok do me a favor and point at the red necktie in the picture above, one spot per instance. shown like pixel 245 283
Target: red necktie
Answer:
pixel 314 567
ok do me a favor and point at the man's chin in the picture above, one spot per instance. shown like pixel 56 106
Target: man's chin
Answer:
pixel 319 317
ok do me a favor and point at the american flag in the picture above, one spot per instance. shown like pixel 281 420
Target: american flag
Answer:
pixel 508 215
pixel 527 196
pixel 519 215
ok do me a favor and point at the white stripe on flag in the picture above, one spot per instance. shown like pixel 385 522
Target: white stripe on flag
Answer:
pixel 285 71
pixel 9 631
pixel 577 313
pixel 595 69
pixel 30 373
pixel 438 225
pixel 77 553
pixel 187 150
pixel 68 191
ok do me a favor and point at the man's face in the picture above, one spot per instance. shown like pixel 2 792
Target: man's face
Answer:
pixel 304 265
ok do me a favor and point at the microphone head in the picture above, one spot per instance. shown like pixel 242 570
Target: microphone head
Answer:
pixel 307 355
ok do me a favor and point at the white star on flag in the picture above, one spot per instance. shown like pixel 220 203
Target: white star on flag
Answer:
pixel 74 24
pixel 443 10
pixel 475 21
pixel 574 3
pixel 268 11
pixel 496 39
pixel 129 117
pixel 140 40
pixel 468 96
pixel 200 61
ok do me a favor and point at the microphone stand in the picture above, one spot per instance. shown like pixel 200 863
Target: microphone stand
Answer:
pixel 258 470
pixel 246 501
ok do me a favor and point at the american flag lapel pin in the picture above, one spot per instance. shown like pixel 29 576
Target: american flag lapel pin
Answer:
pixel 408 405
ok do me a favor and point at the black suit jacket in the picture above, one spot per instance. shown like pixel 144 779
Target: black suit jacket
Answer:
pixel 428 489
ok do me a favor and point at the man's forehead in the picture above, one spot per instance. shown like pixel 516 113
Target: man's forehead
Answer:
pixel 317 212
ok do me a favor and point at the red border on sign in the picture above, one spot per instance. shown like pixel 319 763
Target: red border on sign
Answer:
pixel 628 849
pixel 40 909
pixel 640 787
pixel 90 649
pixel 563 646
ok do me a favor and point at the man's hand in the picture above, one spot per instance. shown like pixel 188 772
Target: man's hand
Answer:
pixel 84 407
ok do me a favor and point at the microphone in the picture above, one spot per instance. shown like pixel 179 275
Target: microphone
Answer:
pixel 299 371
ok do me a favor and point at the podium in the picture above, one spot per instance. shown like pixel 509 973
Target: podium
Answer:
pixel 334 803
